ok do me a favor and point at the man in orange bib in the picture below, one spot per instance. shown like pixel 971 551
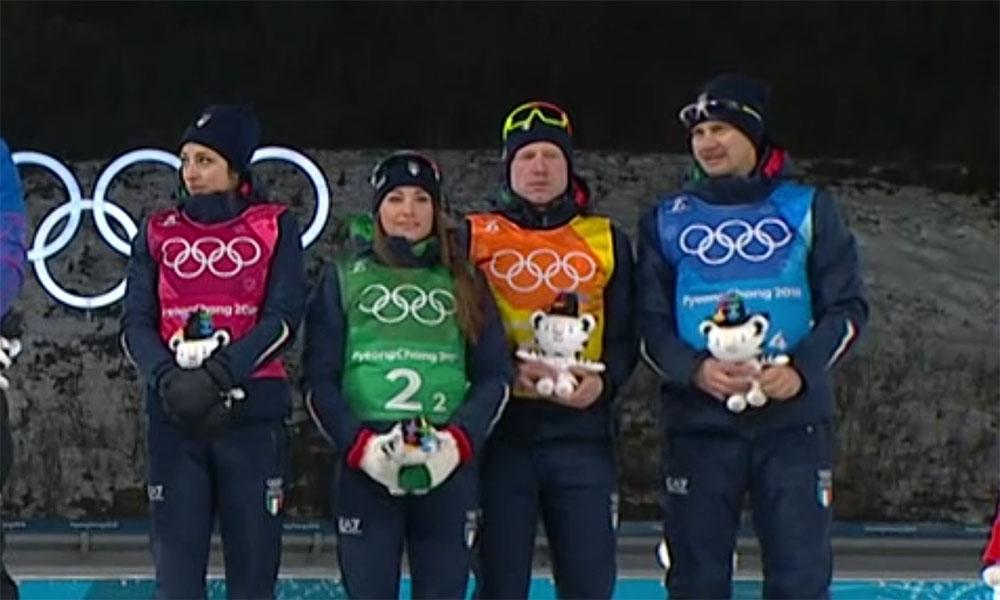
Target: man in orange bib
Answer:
pixel 544 253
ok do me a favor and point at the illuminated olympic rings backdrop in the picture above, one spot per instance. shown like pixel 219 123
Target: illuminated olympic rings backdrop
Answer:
pixel 42 248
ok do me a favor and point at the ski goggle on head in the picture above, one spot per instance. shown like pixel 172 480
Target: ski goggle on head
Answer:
pixel 705 107
pixel 416 163
pixel 524 116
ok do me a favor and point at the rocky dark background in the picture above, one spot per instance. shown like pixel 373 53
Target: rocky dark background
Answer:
pixel 892 106
pixel 917 405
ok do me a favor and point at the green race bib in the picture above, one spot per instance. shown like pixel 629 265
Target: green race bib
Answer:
pixel 405 353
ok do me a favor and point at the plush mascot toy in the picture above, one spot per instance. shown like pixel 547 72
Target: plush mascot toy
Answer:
pixel 733 335
pixel 560 337
pixel 412 458
pixel 991 557
pixel 197 340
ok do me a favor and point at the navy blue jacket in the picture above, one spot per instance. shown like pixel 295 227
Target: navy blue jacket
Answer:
pixel 267 398
pixel 13 223
pixel 838 307
pixel 532 419
pixel 489 372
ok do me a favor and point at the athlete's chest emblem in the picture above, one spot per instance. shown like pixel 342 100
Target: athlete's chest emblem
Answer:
pixel 753 242
pixel 544 266
pixel 225 260
pixel 391 306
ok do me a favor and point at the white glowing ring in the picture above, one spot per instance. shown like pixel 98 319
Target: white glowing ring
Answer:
pixel 315 175
pixel 41 249
pixel 104 181
pixel 42 270
pixel 75 203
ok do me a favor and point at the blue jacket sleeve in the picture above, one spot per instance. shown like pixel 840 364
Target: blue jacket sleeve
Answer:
pixel 282 310
pixel 662 349
pixel 323 363
pixel 839 309
pixel 621 347
pixel 490 372
pixel 13 224
pixel 141 313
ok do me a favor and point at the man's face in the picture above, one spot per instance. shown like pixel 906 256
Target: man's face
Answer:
pixel 721 149
pixel 539 172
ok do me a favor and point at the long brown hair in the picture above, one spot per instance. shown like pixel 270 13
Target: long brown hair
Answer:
pixel 469 291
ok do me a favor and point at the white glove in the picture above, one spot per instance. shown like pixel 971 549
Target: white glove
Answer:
pixel 991 576
pixel 663 555
pixel 9 349
pixel 378 459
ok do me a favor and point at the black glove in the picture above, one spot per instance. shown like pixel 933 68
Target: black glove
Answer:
pixel 197 398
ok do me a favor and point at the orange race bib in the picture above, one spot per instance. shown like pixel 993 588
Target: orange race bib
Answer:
pixel 527 268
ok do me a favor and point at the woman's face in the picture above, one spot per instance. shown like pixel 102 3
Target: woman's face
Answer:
pixel 407 211
pixel 204 171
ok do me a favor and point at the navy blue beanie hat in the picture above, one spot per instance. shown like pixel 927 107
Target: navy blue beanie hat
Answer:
pixel 405 167
pixel 734 99
pixel 232 131
pixel 523 127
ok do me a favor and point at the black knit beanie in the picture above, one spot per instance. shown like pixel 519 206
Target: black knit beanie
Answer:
pixel 734 99
pixel 232 131
pixel 405 167
pixel 536 130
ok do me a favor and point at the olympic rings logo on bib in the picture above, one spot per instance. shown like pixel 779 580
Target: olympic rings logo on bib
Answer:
pixel 189 260
pixel 544 266
pixel 43 249
pixel 407 300
pixel 702 241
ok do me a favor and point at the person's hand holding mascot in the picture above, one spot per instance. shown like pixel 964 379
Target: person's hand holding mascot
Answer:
pixel 561 334
pixel 734 335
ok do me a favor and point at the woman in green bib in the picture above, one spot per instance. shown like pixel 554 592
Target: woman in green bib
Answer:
pixel 406 371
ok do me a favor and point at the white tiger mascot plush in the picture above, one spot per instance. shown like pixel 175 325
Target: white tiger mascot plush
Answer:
pixel 560 337
pixel 732 335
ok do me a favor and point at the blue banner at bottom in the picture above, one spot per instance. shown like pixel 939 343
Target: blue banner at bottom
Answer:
pixel 541 588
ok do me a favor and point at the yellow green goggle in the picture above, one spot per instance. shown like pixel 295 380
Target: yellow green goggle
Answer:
pixel 523 117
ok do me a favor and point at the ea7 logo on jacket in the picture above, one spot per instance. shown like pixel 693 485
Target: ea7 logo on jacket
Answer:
pixel 155 493
pixel 349 526
pixel 677 486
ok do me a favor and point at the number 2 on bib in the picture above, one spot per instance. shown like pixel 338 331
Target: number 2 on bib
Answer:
pixel 403 400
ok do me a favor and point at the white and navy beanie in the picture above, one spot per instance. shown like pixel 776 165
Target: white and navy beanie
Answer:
pixel 405 167
pixel 743 90
pixel 232 131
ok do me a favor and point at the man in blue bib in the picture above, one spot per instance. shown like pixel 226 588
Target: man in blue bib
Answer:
pixel 742 226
